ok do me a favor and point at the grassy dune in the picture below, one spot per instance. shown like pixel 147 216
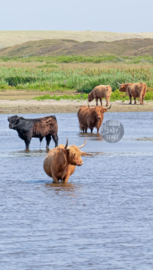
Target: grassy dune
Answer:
pixel 65 47
pixel 11 38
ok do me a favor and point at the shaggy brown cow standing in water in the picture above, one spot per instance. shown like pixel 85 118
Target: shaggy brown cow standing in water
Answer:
pixel 135 90
pixel 91 117
pixel 61 161
pixel 99 92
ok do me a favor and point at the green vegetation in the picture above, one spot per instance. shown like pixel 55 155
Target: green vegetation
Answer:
pixel 116 95
pixel 82 80
pixel 52 76
pixel 51 60
pixel 67 97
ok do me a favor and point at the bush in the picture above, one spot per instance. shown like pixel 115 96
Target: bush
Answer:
pixel 149 96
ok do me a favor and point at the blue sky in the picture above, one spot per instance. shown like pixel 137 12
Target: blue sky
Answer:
pixel 77 15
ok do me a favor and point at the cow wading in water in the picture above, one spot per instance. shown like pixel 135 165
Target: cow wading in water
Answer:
pixel 37 128
pixel 99 92
pixel 91 117
pixel 135 90
pixel 61 161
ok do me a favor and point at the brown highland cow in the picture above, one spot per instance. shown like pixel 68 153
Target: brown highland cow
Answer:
pixel 135 90
pixel 91 117
pixel 61 161
pixel 99 92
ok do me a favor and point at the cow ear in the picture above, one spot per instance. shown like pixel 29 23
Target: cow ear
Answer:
pixel 104 110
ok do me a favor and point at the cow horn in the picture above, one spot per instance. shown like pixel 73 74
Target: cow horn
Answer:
pixel 83 143
pixel 119 83
pixel 66 143
pixel 107 108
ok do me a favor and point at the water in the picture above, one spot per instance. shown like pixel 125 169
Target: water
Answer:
pixel 103 217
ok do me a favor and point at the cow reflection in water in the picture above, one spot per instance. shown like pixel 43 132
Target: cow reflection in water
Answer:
pixel 61 161
pixel 92 136
pixel 68 187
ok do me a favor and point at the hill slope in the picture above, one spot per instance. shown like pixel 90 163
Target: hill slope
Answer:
pixel 127 47
pixel 10 38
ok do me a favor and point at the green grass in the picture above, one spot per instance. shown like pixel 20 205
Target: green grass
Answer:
pixel 66 97
pixel 116 95
pixel 48 66
pixel 80 59
pixel 82 80
pixel 49 77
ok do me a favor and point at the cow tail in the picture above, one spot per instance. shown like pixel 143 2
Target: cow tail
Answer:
pixel 145 89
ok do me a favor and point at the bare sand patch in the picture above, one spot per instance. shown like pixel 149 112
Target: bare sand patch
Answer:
pixel 64 106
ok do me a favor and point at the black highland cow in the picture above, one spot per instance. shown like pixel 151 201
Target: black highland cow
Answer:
pixel 37 128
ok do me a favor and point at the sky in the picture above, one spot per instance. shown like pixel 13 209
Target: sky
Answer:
pixel 132 16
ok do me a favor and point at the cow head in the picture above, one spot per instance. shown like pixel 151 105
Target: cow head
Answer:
pixel 97 113
pixel 123 87
pixel 90 97
pixel 74 154
pixel 13 121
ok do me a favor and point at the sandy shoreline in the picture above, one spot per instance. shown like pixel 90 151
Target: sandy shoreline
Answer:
pixel 65 106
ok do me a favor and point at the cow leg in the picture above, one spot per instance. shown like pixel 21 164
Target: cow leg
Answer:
pixel 135 102
pixel 91 129
pixel 130 99
pixel 96 101
pixel 97 130
pixel 27 143
pixel 101 102
pixel 141 99
pixel 55 138
pixel 107 101
pixel 55 179
pixel 48 139
pixel 66 178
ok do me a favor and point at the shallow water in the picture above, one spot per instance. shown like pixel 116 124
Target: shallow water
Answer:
pixel 103 217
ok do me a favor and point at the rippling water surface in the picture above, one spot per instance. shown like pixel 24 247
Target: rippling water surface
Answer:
pixel 103 217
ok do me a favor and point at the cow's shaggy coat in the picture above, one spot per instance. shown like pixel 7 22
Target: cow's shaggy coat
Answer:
pixel 99 92
pixel 91 117
pixel 135 90
pixel 37 128
pixel 61 161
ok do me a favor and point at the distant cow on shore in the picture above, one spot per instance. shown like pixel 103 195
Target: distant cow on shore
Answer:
pixel 37 128
pixel 91 117
pixel 135 90
pixel 61 161
pixel 99 92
